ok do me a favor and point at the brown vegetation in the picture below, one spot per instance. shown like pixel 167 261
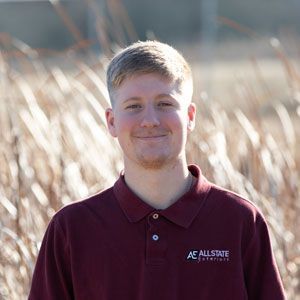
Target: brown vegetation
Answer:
pixel 55 149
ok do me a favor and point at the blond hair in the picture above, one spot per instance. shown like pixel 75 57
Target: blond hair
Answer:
pixel 147 57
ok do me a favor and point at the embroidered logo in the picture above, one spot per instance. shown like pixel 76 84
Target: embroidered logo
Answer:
pixel 204 255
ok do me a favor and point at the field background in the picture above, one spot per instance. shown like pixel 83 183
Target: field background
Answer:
pixel 55 149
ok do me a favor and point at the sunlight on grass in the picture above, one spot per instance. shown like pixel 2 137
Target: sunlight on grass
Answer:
pixel 55 149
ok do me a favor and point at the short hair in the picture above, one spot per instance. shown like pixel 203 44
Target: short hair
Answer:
pixel 145 57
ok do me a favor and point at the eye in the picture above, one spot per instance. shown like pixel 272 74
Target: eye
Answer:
pixel 133 106
pixel 165 104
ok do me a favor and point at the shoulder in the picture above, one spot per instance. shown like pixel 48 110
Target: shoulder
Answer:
pixel 235 204
pixel 91 207
pixel 239 214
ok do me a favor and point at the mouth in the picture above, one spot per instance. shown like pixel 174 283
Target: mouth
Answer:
pixel 150 137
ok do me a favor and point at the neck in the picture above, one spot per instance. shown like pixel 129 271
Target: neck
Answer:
pixel 160 188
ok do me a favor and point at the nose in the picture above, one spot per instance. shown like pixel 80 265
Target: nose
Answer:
pixel 150 117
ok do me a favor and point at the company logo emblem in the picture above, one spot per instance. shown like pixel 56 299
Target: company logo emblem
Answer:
pixel 208 255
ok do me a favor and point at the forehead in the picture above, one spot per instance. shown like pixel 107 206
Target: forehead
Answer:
pixel 147 84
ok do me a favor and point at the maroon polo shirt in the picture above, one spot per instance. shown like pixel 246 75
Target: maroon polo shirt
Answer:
pixel 211 244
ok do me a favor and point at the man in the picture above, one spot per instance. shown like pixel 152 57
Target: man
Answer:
pixel 162 231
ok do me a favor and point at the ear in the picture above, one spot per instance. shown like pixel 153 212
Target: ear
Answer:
pixel 191 117
pixel 110 121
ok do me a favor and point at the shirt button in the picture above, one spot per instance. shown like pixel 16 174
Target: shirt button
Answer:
pixel 155 237
pixel 155 216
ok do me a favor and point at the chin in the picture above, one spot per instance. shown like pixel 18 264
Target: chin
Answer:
pixel 153 163
pixel 158 162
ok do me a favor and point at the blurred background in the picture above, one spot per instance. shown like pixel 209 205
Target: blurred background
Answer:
pixel 171 21
pixel 54 147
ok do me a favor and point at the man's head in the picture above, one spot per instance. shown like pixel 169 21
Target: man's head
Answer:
pixel 149 57
pixel 150 87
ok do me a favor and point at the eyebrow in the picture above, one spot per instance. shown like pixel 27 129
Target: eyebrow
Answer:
pixel 157 97
pixel 164 95
pixel 132 99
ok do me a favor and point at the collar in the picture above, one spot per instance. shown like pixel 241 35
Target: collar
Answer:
pixel 182 212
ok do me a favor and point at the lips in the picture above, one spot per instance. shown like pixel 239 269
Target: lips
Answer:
pixel 150 136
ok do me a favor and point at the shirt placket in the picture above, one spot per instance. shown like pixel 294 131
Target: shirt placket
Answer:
pixel 156 243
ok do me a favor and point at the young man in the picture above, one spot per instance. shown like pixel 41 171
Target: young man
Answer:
pixel 162 231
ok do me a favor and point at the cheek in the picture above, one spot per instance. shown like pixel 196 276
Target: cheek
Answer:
pixel 124 124
pixel 177 121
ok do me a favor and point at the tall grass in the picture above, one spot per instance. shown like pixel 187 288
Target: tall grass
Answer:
pixel 54 149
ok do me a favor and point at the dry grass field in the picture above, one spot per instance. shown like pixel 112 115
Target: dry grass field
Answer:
pixel 54 147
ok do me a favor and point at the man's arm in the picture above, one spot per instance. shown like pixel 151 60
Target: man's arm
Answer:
pixel 260 270
pixel 52 276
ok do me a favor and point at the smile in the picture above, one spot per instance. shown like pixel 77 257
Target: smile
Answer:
pixel 151 137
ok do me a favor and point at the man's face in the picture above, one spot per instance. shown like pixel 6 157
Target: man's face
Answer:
pixel 151 117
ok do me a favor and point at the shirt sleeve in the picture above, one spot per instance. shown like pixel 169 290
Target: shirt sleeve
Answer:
pixel 52 274
pixel 262 277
